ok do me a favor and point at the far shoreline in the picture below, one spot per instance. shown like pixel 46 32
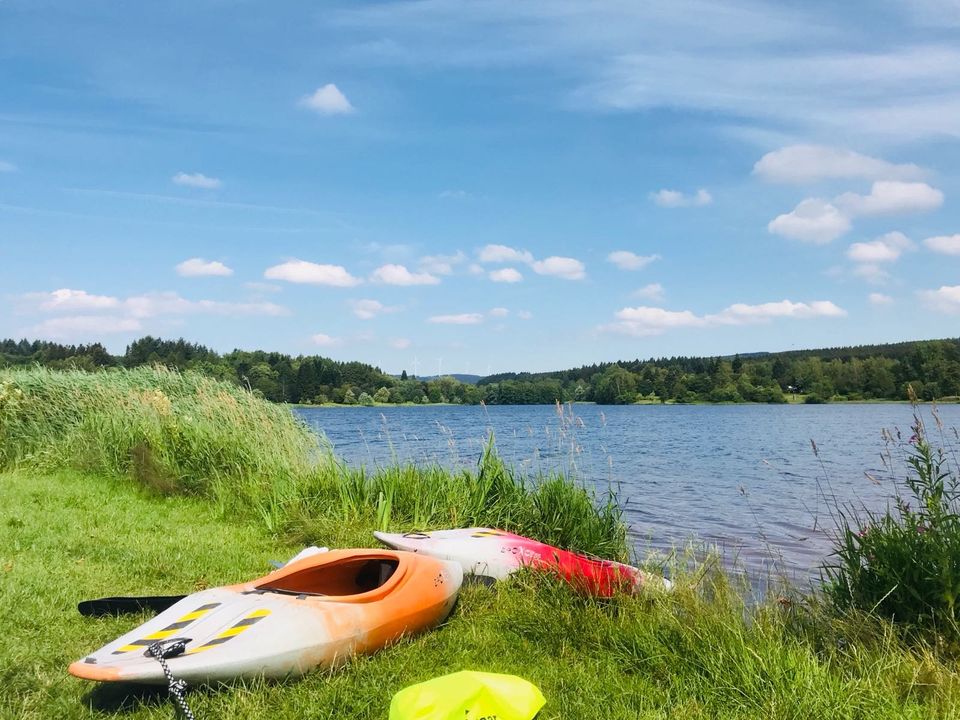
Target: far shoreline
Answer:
pixel 640 403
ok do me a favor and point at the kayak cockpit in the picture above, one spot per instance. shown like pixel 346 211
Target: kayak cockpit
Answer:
pixel 350 576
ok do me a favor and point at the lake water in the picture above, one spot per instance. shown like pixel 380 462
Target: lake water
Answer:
pixel 743 478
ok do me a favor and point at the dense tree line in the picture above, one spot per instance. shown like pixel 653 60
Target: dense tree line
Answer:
pixel 881 372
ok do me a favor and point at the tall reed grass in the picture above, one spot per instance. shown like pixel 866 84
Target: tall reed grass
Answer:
pixel 187 433
pixel 904 563
pixel 551 508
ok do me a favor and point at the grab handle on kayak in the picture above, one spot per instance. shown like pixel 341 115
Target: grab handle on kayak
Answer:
pixel 121 605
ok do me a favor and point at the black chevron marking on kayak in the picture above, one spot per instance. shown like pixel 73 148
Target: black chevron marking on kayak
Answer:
pixel 247 621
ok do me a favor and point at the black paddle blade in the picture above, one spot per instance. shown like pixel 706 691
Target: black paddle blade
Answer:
pixel 122 605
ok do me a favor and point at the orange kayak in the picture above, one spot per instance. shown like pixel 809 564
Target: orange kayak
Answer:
pixel 315 612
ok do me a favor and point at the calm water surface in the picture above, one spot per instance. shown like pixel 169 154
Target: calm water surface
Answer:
pixel 741 477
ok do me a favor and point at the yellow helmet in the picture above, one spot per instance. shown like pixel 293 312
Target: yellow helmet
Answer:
pixel 468 695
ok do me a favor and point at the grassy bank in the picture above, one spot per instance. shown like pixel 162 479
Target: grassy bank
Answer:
pixel 697 653
pixel 151 482
pixel 189 434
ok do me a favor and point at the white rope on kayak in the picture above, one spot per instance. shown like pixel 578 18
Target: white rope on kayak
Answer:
pixel 160 651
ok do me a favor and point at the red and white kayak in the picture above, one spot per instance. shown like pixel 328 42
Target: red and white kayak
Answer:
pixel 496 554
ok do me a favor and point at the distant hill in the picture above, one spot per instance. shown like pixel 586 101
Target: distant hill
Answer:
pixel 888 350
pixel 894 351
pixel 459 377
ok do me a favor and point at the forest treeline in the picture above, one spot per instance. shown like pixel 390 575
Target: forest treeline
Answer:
pixel 878 372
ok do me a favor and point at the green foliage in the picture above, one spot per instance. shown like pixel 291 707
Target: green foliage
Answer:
pixel 615 386
pixel 869 372
pixel 175 432
pixel 904 564
pixel 931 368
pixel 365 399
pixel 185 433
pixel 698 653
pixel 407 497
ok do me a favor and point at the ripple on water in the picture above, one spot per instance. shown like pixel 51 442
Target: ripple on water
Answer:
pixel 741 477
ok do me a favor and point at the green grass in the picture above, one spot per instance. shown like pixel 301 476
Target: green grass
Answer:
pixel 189 434
pixel 147 481
pixel 696 653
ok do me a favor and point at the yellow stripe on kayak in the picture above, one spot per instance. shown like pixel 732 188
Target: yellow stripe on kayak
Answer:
pixel 240 626
pixel 169 630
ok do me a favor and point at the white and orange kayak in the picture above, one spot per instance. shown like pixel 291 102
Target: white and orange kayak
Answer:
pixel 314 612
pixel 495 554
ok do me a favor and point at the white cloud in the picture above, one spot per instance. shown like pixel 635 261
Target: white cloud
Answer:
pixel 475 269
pixel 461 319
pixel 499 312
pixel 323 340
pixel 813 220
pixel 675 198
pixel 327 100
pixel 197 180
pixel 400 343
pixel 454 195
pixel 67 300
pixel 262 287
pixel 196 267
pixel 645 321
pixel 802 66
pixel 506 275
pixel 83 326
pixel 503 254
pixel 524 314
pixel 907 92
pixel 626 260
pixel 561 267
pixel 653 291
pixel 944 244
pixel 7 167
pixel 742 314
pixel 388 251
pixel 876 298
pixel 302 271
pixel 818 221
pixel 872 273
pixel 107 314
pixel 946 299
pixel 812 163
pixel 886 248
pixel 888 197
pixel 369 309
pixel 441 264
pixel 391 274
pixel 170 303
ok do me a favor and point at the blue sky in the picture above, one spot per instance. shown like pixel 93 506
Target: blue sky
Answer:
pixel 484 185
